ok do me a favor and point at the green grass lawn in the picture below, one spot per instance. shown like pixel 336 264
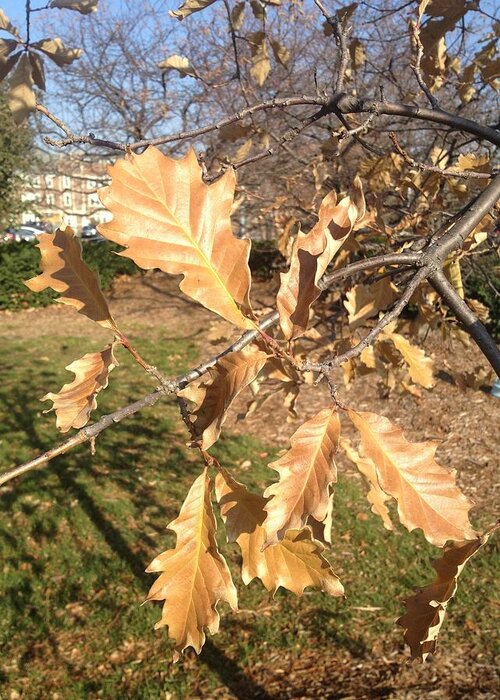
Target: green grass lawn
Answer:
pixel 76 536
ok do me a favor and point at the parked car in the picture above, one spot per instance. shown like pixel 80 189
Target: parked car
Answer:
pixel 27 234
pixel 89 234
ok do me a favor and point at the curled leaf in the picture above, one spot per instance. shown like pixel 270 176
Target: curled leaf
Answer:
pixel 228 378
pixel 261 65
pixel 194 576
pixel 55 50
pixel 21 97
pixel 295 563
pixel 427 495
pixel 426 609
pixel 306 472
pixel 168 218
pixel 7 25
pixel 178 63
pixel 64 271
pixel 84 7
pixel 311 255
pixel 74 403
pixel 189 6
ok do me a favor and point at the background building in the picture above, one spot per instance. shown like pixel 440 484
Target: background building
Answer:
pixel 66 192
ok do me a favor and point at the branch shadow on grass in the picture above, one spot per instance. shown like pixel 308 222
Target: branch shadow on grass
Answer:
pixel 21 417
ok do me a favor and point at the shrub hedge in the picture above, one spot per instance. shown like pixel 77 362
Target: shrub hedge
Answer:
pixel 20 261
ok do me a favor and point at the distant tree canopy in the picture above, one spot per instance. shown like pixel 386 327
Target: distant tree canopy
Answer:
pixel 15 145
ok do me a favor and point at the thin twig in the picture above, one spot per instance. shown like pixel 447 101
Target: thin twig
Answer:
pixel 327 365
pixel 448 172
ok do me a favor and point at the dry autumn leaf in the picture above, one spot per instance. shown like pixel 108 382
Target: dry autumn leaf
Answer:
pixel 312 254
pixel 20 95
pixel 8 56
pixel 375 496
pixel 189 6
pixel 306 472
pixel 64 271
pixel 7 25
pixel 84 7
pixel 168 218
pixel 294 563
pixel 261 65
pixel 74 403
pixel 420 366
pixel 228 378
pixel 427 495
pixel 194 576
pixel 178 63
pixel 426 609
pixel 364 301
pixel 55 50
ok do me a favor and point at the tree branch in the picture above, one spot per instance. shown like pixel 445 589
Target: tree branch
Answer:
pixel 169 387
pixel 467 319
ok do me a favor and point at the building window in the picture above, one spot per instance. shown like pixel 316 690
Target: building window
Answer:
pixel 66 182
pixel 36 181
pixel 67 199
pixel 49 181
pixel 49 199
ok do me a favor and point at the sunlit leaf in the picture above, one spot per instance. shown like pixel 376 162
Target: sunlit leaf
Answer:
pixel 294 563
pixel 168 218
pixel 189 6
pixel 427 495
pixel 214 396
pixel 311 255
pixel 64 271
pixel 74 403
pixel 306 471
pixel 84 7
pixel 57 52
pixel 194 576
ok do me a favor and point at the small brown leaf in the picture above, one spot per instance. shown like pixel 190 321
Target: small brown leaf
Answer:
pixel 180 64
pixel 189 6
pixel 194 576
pixel 364 301
pixel 294 563
pixel 37 70
pixel 427 495
pixel 237 14
pixel 261 65
pixel 8 56
pixel 74 403
pixel 228 378
pixel 6 24
pixel 311 255
pixel 84 7
pixel 21 97
pixel 64 271
pixel 306 472
pixel 421 367
pixel 281 53
pixel 55 50
pixel 426 609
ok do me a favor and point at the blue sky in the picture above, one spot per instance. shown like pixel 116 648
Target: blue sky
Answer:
pixel 15 11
